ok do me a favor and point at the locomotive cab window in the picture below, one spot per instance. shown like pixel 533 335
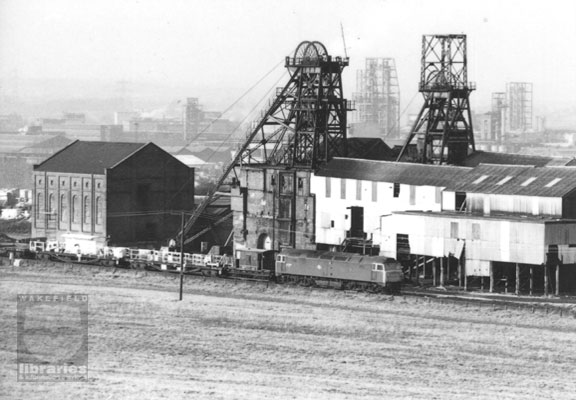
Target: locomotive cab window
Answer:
pixel 377 267
pixel 281 258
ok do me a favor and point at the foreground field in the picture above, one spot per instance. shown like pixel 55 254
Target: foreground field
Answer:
pixel 249 341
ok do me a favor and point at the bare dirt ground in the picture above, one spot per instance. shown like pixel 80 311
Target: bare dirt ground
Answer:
pixel 231 340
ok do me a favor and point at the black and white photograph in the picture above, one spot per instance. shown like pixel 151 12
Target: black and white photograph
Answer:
pixel 263 199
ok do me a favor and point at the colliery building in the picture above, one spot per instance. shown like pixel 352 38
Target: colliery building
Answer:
pixel 106 193
pixel 448 212
pixel 513 224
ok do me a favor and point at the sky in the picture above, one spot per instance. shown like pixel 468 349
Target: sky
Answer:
pixel 230 45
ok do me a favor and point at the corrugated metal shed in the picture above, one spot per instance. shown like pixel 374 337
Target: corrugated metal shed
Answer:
pixel 485 157
pixel 517 180
pixel 393 172
pixel 89 157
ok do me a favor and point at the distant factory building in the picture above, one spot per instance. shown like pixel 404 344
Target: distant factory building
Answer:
pixel 119 194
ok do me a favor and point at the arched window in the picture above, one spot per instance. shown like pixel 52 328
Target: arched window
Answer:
pixel 39 205
pixel 63 208
pixel 75 209
pixel 86 208
pixel 98 210
pixel 264 242
pixel 51 208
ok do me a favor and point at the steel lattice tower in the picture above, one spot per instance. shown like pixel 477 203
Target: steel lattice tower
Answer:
pixel 519 106
pixel 305 124
pixel 498 117
pixel 192 118
pixel 444 125
pixel 378 97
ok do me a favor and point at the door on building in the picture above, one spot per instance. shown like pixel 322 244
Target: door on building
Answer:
pixel 402 247
pixel 357 222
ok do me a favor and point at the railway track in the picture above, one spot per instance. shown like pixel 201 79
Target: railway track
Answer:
pixel 562 306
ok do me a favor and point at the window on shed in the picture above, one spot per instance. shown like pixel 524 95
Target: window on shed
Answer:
pixel 285 207
pixel 460 201
pixel 402 245
pixel 396 190
pixel 328 187
pixel 454 230
pixel 343 189
pixel 301 186
pixel 358 190
pixel 286 183
pixel 374 191
pixel 412 195
pixel 438 195
pixel 476 231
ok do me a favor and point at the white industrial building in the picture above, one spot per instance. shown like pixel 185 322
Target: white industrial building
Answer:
pixel 513 223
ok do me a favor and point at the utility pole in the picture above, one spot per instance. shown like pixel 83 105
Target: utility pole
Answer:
pixel 182 257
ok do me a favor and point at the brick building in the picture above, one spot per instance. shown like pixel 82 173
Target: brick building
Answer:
pixel 120 194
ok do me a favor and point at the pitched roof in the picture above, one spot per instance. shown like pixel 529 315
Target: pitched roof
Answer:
pixel 517 180
pixel 393 172
pixel 486 157
pixel 369 149
pixel 48 146
pixel 189 160
pixel 89 157
pixel 13 143
pixel 521 180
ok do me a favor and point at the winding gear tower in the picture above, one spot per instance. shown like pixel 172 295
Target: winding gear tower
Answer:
pixel 443 129
pixel 305 125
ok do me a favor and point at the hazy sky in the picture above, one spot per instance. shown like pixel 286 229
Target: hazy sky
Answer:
pixel 219 43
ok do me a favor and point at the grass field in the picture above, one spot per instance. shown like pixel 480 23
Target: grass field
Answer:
pixel 231 340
